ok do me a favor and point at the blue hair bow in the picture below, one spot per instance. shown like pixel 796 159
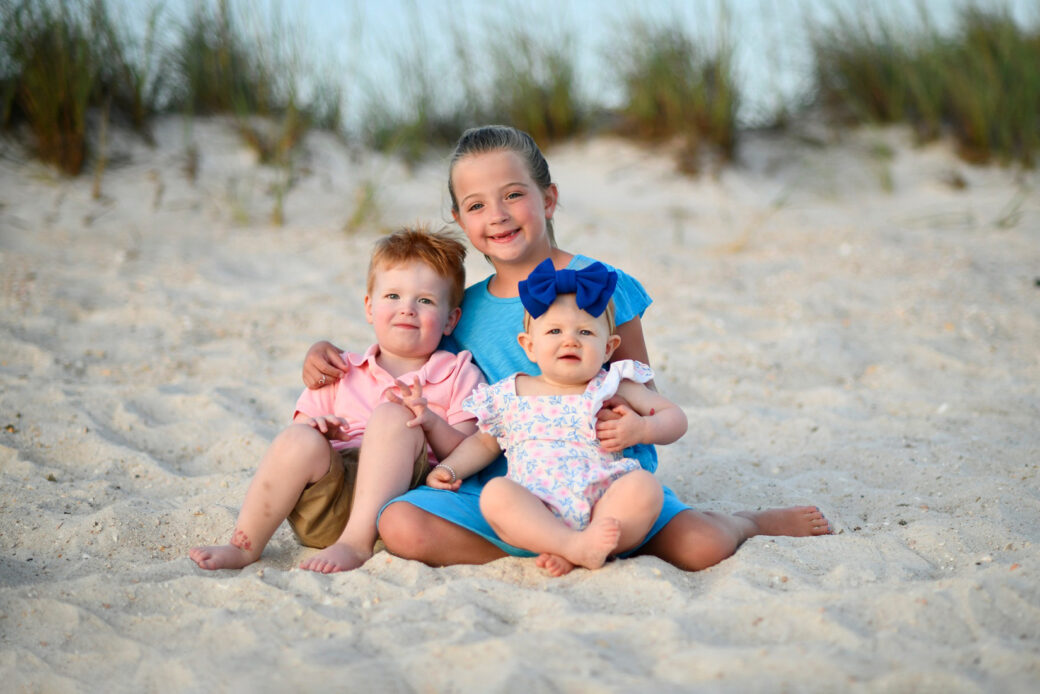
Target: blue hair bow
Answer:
pixel 592 286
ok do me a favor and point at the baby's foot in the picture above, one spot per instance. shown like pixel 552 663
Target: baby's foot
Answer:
pixel 553 563
pixel 335 558
pixel 221 557
pixel 796 521
pixel 593 545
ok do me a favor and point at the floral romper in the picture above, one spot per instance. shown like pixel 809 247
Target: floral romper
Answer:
pixel 550 440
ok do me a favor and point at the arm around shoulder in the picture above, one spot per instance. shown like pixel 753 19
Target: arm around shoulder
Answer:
pixel 645 416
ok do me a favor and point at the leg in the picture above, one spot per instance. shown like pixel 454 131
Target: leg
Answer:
pixel 411 533
pixel 695 540
pixel 297 457
pixel 387 456
pixel 634 500
pixel 521 519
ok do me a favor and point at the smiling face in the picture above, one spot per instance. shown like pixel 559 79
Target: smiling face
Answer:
pixel 410 309
pixel 501 209
pixel 569 345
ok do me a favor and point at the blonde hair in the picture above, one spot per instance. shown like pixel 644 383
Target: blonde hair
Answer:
pixel 608 312
pixel 502 138
pixel 440 250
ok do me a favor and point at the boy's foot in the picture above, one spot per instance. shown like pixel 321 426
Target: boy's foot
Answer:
pixel 555 564
pixel 593 545
pixel 335 558
pixel 221 557
pixel 796 521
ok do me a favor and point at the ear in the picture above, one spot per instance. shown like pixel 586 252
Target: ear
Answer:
pixel 527 344
pixel 551 196
pixel 368 308
pixel 612 344
pixel 455 216
pixel 453 320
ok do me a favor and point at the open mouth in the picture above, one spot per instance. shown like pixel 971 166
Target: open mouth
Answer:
pixel 501 238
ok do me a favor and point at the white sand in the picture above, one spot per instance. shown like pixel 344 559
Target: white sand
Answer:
pixel 875 353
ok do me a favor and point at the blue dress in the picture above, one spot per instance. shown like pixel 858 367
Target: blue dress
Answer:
pixel 488 329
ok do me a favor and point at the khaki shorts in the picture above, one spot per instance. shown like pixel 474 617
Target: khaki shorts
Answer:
pixel 324 507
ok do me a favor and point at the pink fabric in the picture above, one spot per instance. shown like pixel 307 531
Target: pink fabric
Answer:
pixel 447 379
pixel 550 440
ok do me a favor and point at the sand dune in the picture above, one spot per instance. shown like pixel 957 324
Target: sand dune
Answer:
pixel 844 328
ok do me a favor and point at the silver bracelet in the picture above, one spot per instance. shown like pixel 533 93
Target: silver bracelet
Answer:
pixel 449 469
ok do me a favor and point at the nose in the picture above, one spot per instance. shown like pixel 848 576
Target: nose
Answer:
pixel 498 212
pixel 407 308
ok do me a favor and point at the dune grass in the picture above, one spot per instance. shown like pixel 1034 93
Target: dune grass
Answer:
pixel 979 83
pixel 676 86
pixel 66 66
pixel 53 75
pixel 526 78
pixel 540 76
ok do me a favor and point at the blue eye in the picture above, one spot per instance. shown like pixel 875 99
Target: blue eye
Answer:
pixel 586 332
pixel 554 331
pixel 392 295
pixel 424 300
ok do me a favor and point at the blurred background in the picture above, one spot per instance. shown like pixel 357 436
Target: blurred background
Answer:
pixel 406 77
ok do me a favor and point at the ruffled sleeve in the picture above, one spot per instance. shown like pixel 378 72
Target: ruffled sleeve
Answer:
pixel 485 403
pixel 608 382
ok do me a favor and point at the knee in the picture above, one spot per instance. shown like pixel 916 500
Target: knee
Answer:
pixel 400 527
pixel 694 541
pixel 391 415
pixel 492 494
pixel 301 439
pixel 390 412
pixel 641 492
pixel 648 486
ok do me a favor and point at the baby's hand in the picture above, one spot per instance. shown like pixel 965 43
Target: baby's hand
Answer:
pixel 412 398
pixel 442 477
pixel 323 365
pixel 332 427
pixel 625 428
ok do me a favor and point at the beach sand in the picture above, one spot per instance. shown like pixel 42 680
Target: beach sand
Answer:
pixel 849 323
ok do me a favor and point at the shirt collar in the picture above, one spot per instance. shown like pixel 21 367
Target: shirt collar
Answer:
pixel 439 368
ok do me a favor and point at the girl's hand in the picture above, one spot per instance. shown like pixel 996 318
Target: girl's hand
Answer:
pixel 621 428
pixel 412 398
pixel 440 478
pixel 332 427
pixel 323 365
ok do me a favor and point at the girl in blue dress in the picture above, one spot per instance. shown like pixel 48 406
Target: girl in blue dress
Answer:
pixel 504 199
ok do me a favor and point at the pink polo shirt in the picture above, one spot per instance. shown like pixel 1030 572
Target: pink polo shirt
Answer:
pixel 447 379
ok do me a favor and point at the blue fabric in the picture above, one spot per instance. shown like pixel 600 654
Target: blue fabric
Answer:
pixel 592 287
pixel 488 328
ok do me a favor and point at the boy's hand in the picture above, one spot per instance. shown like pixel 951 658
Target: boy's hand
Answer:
pixel 622 428
pixel 440 478
pixel 412 398
pixel 323 365
pixel 333 428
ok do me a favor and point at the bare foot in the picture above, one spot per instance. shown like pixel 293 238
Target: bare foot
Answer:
pixel 796 521
pixel 553 563
pixel 591 547
pixel 221 557
pixel 335 558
